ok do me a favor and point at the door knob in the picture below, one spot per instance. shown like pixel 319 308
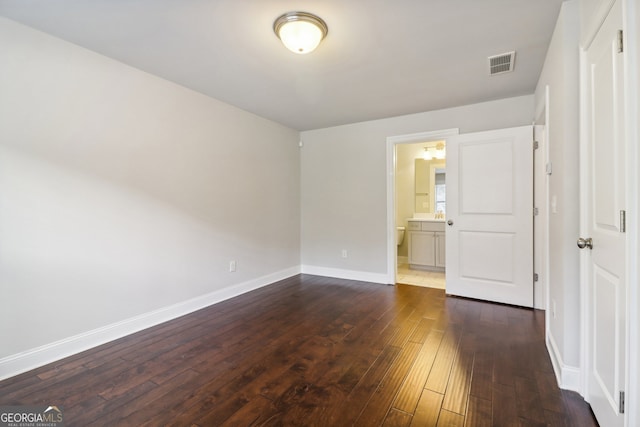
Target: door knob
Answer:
pixel 450 222
pixel 585 243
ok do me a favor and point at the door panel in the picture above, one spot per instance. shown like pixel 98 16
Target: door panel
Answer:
pixel 606 328
pixel 482 265
pixel 605 263
pixel 490 211
pixel 487 166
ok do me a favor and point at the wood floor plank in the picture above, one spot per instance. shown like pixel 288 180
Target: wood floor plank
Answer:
pixel 553 418
pixel 256 412
pixel 439 375
pixel 482 376
pixel 14 390
pixel 487 313
pixel 248 382
pixel 479 412
pixel 450 419
pixel 396 418
pixel 150 402
pixel 528 400
pixel 550 395
pixel 411 389
pixel 73 390
pixel 305 369
pixel 317 351
pixel 457 392
pixel 366 387
pixel 379 404
pixel 505 411
pixel 365 348
pixel 579 411
pixel 422 330
pixel 428 409
pixel 504 366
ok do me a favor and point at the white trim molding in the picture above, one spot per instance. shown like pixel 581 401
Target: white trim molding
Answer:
pixel 339 273
pixel 391 190
pixel 568 377
pixel 25 361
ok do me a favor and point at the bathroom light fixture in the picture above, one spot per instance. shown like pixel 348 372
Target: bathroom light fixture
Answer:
pixel 300 32
pixel 438 152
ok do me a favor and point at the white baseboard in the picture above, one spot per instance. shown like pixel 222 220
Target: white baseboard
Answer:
pixel 345 274
pixel 27 360
pixel 568 377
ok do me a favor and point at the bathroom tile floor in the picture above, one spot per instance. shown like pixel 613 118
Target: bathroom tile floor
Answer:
pixel 429 279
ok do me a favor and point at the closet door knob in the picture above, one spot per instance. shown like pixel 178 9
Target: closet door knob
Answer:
pixel 585 243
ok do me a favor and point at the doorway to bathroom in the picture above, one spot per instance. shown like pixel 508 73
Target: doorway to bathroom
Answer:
pixel 489 211
pixel 417 181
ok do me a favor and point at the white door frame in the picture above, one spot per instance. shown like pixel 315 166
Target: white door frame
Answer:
pixel 392 141
pixel 541 200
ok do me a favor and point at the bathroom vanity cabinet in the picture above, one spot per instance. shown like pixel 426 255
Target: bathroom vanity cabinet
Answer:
pixel 426 244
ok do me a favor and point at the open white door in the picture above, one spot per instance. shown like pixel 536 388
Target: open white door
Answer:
pixel 603 241
pixel 490 216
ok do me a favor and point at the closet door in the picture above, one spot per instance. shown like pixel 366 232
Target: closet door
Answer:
pixel 603 241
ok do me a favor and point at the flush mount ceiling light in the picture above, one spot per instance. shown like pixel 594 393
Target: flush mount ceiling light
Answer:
pixel 300 32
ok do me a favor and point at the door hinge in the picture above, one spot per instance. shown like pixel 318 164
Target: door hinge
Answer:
pixel 535 277
pixel 536 211
pixel 620 41
pixel 621 408
pixel 623 221
pixel 536 145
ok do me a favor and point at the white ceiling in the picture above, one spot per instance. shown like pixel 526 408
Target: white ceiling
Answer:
pixel 381 58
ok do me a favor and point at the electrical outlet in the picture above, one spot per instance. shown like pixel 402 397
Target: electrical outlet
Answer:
pixel 232 266
pixel 344 253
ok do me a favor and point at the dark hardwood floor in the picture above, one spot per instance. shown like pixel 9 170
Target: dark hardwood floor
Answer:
pixel 314 351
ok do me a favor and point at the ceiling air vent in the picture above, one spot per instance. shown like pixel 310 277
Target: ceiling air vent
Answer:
pixel 502 63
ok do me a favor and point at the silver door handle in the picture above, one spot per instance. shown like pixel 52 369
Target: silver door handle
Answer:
pixel 450 222
pixel 585 243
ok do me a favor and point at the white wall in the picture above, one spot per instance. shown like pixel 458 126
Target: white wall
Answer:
pixel 560 74
pixel 344 183
pixel 122 194
pixel 592 13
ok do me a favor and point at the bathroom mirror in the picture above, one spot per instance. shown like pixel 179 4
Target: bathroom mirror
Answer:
pixel 430 189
